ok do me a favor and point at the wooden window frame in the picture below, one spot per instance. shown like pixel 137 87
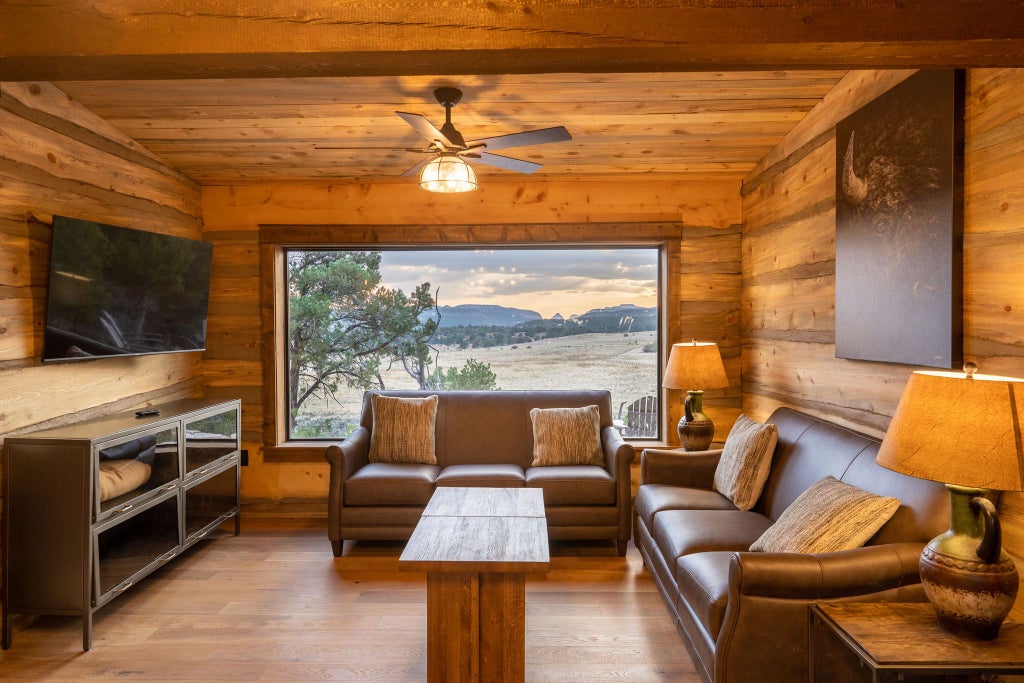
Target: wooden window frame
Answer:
pixel 275 239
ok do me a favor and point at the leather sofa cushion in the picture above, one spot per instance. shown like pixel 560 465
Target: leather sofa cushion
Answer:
pixel 573 484
pixel 703 583
pixel 382 483
pixel 497 475
pixel 653 498
pixel 683 532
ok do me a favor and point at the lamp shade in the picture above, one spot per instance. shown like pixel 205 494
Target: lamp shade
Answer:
pixel 696 365
pixel 958 428
pixel 448 173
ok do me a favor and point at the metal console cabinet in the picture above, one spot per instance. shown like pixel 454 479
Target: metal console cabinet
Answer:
pixel 68 552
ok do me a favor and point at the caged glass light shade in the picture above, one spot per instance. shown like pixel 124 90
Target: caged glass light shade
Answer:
pixel 448 173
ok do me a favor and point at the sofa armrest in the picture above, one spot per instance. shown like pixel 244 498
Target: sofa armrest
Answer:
pixel 351 454
pixel 345 458
pixel 618 456
pixel 793 576
pixel 769 594
pixel 692 469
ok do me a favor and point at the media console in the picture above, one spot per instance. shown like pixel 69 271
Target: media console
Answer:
pixel 93 507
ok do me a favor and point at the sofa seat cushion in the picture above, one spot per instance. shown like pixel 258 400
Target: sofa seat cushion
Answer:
pixel 653 498
pixel 573 484
pixel 683 532
pixel 499 475
pixel 703 584
pixel 384 483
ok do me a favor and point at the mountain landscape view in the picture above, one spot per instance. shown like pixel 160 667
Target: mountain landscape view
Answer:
pixel 469 326
pixel 481 319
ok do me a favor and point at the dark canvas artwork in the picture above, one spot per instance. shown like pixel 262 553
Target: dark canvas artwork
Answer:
pixel 899 224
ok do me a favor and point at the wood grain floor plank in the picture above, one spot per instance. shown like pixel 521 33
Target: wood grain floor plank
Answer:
pixel 274 605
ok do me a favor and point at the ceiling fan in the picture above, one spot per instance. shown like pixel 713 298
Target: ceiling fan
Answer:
pixel 445 170
pixel 448 140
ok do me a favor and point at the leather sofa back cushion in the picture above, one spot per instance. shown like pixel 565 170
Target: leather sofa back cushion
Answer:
pixel 403 430
pixel 810 448
pixel 492 426
pixel 827 517
pixel 566 436
pixel 746 461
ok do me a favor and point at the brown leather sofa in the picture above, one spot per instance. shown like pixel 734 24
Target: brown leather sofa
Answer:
pixel 482 438
pixel 743 615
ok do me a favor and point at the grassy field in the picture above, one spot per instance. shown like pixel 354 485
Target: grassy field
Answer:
pixel 591 361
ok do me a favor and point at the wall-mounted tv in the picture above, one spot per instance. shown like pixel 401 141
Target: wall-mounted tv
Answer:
pixel 122 292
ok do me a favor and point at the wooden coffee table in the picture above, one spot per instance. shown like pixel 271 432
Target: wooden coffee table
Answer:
pixel 476 545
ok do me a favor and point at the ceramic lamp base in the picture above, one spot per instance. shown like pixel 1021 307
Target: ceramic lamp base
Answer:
pixel 696 430
pixel 696 435
pixel 970 581
pixel 971 599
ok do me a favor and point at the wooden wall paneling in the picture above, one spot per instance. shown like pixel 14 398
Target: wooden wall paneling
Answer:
pixel 505 202
pixel 709 310
pixel 232 217
pixel 87 158
pixel 788 269
pixel 56 157
pixel 994 248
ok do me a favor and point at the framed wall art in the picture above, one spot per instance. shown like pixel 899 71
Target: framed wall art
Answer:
pixel 899 224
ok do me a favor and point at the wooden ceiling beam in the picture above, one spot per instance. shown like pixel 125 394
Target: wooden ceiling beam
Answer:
pixel 160 39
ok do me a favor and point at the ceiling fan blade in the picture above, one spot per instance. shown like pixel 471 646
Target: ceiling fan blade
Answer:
pixel 508 163
pixel 372 148
pixel 415 170
pixel 529 137
pixel 425 128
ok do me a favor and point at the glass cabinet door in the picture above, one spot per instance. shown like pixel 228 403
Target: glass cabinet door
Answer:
pixel 134 546
pixel 209 501
pixel 130 469
pixel 208 439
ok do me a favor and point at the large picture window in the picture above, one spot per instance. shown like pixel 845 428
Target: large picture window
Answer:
pixel 470 318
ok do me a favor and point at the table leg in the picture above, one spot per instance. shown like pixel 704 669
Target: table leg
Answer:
pixel 503 627
pixel 453 627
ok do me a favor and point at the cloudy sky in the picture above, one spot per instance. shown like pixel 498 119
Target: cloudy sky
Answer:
pixel 549 281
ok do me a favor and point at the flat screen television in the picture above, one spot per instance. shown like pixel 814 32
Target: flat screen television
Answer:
pixel 122 292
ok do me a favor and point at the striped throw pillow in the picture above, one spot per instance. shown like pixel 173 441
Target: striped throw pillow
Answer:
pixel 567 436
pixel 746 461
pixel 829 516
pixel 403 430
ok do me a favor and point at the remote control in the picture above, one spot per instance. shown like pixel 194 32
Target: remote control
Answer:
pixel 146 412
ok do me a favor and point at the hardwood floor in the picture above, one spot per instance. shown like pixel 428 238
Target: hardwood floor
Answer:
pixel 275 604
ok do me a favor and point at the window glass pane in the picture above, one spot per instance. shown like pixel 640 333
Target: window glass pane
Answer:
pixel 556 318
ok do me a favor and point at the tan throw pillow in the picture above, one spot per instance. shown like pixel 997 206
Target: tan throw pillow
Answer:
pixel 829 516
pixel 567 436
pixel 118 477
pixel 746 461
pixel 403 430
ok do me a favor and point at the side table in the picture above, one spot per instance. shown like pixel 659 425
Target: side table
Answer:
pixel 887 641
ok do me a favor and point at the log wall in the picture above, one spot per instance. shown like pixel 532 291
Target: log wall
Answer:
pixel 56 157
pixel 708 213
pixel 788 265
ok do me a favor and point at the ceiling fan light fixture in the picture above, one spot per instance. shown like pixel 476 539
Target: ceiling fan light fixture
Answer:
pixel 448 173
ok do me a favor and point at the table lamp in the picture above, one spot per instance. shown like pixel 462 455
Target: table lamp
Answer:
pixel 963 430
pixel 697 364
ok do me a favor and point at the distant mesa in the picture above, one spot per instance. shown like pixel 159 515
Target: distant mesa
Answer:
pixel 483 314
pixel 621 318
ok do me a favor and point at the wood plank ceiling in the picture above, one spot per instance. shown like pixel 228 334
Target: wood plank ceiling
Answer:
pixel 706 124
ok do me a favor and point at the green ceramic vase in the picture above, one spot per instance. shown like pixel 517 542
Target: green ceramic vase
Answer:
pixel 696 430
pixel 966 575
